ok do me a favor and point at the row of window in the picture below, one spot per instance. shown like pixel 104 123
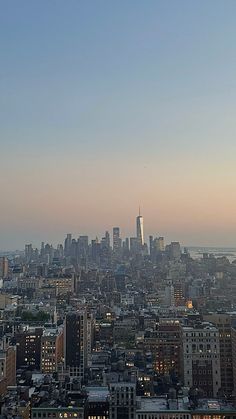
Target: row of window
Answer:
pixel 56 415
pixel 159 416
pixel 193 334
pixel 201 356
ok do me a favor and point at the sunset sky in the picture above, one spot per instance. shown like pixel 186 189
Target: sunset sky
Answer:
pixel 108 105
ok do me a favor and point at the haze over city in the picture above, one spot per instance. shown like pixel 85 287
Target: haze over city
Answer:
pixel 106 106
pixel 118 209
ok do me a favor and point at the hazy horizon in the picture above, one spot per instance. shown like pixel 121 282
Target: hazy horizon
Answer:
pixel 56 239
pixel 107 106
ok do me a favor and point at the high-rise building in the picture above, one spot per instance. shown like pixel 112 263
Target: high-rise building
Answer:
pixel 95 251
pixel 233 335
pixel 116 240
pixel 169 295
pixel 67 244
pixel 151 246
pixel 223 322
pixel 201 358
pixel 3 267
pixel 77 342
pixel 83 250
pixel 179 293
pixel 123 400
pixel 107 239
pixel 125 248
pixel 160 244
pixel 51 349
pixel 139 229
pixel 165 344
pixel 7 365
pixel 174 250
pixel 105 251
pixel 28 252
pixel 42 250
pixel 28 347
pixel 134 245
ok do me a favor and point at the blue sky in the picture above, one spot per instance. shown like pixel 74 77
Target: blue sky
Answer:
pixel 102 96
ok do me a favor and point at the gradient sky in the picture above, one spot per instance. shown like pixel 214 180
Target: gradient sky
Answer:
pixel 108 105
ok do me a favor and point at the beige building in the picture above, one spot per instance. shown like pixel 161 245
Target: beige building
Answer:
pixel 201 358
pixel 63 286
pixel 223 323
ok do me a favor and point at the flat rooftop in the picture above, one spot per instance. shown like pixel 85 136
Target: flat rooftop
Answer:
pixel 97 394
pixel 159 404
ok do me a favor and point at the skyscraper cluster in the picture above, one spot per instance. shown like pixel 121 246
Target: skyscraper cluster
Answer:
pixel 115 328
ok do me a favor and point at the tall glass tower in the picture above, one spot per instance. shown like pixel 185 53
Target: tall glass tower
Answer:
pixel 139 229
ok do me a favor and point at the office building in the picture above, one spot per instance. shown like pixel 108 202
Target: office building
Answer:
pixel 97 405
pixel 7 365
pixel 116 241
pixel 67 244
pixel 223 322
pixel 123 400
pixel 52 345
pixel 28 344
pixel 160 244
pixel 3 267
pixel 175 250
pixel 77 342
pixel 201 358
pixel 165 344
pixel 28 252
pixel 139 229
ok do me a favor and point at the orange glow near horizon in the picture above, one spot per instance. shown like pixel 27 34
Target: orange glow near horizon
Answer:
pixel 182 203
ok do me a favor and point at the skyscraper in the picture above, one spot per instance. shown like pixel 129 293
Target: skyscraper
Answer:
pixel 116 240
pixel 77 342
pixel 175 250
pixel 67 244
pixel 28 252
pixel 3 267
pixel 139 229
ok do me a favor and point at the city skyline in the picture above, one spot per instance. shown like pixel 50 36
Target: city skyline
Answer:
pixel 116 237
pixel 118 209
pixel 131 231
pixel 107 106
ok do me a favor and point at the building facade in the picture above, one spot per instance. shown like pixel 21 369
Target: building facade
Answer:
pixel 201 358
